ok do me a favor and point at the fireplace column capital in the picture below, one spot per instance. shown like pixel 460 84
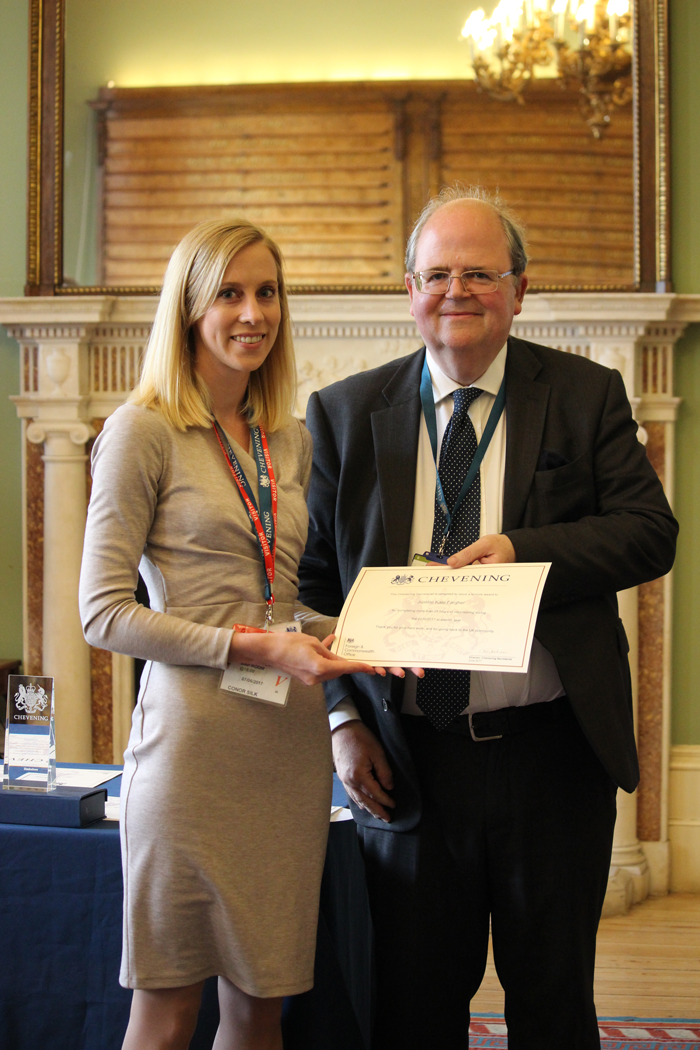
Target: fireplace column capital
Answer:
pixel 39 432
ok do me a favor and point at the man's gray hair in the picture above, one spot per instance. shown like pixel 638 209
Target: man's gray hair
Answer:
pixel 512 227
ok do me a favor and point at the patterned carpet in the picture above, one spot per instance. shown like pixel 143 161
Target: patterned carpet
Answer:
pixel 616 1033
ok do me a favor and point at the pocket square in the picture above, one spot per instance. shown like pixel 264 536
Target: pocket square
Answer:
pixel 550 460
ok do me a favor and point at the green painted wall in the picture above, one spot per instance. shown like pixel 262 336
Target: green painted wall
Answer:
pixel 140 41
pixel 146 42
pixel 13 152
pixel 685 197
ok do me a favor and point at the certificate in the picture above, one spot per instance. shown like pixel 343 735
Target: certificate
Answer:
pixel 479 618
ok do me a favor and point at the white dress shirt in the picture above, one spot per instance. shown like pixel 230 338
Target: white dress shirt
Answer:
pixel 489 690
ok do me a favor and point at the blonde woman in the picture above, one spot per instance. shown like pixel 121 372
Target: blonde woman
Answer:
pixel 200 481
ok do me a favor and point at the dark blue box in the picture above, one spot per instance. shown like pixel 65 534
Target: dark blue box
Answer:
pixel 64 807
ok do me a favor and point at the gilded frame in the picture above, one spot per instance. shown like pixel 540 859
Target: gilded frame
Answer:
pixel 45 158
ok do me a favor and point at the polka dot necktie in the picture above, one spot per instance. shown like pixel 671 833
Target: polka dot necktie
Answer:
pixel 443 694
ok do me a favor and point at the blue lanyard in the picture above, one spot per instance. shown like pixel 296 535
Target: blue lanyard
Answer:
pixel 428 402
pixel 263 520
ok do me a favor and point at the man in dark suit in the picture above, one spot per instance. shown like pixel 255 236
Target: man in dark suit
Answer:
pixel 486 798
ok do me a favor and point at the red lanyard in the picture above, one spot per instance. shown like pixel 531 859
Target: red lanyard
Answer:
pixel 266 526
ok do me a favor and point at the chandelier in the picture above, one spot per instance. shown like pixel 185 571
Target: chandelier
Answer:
pixel 587 45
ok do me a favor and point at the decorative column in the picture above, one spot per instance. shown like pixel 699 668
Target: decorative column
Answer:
pixel 54 375
pixel 629 880
pixel 65 655
pixel 615 346
pixel 657 411
pixel 624 332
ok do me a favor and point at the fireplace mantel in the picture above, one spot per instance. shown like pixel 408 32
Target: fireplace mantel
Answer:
pixel 79 357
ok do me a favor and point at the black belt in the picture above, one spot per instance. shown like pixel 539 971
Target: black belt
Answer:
pixel 493 725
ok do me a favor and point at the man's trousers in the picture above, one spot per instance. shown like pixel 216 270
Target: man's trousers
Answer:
pixel 516 832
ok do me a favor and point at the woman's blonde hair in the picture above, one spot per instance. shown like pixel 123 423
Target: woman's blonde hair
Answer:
pixel 192 280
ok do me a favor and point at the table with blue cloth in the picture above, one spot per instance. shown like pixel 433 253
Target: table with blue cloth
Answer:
pixel 61 934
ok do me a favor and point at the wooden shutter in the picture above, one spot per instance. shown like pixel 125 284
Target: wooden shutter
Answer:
pixel 322 179
pixel 573 193
pixel 337 173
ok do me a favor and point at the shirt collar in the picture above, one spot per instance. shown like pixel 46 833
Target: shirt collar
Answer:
pixel 490 381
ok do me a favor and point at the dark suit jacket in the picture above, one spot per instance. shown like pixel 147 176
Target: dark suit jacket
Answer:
pixel 579 491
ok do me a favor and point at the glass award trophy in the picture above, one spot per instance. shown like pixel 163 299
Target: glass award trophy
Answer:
pixel 30 739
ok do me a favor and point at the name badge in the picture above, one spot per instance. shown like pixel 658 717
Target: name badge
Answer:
pixel 266 684
pixel 427 557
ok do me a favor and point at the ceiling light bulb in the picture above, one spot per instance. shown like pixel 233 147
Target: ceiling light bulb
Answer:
pixel 475 23
pixel 586 13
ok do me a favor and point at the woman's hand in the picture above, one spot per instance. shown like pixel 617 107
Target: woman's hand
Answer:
pixel 300 655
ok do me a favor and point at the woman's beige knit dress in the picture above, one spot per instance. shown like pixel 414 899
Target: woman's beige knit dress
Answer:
pixel 225 801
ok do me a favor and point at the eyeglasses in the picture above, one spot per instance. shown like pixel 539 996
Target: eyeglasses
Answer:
pixel 439 282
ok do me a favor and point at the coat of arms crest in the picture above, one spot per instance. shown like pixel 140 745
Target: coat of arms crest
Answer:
pixel 32 699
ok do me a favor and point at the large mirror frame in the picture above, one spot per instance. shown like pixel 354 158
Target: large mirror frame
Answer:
pixel 45 176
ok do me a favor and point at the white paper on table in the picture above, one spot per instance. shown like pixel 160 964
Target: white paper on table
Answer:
pixel 479 618
pixel 84 778
pixel 340 813
pixel 112 807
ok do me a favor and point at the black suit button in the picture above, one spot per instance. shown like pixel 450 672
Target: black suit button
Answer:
pixel 384 704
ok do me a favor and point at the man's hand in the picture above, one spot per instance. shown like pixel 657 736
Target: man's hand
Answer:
pixel 362 766
pixel 486 550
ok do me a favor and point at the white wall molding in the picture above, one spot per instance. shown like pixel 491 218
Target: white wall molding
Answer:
pixel 98 339
pixel 658 856
pixel 684 818
pixel 686 758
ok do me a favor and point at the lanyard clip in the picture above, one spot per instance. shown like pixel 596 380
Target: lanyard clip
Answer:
pixel 269 612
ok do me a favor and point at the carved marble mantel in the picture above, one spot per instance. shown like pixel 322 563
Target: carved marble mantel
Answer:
pixel 79 357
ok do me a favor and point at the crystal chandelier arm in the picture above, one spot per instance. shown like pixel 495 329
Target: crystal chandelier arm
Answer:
pixel 521 35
